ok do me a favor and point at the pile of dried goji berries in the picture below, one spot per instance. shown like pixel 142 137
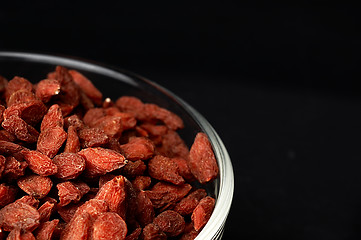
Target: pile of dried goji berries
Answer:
pixel 75 166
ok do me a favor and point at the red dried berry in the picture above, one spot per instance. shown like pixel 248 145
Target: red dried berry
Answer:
pixel 23 131
pixel 190 202
pixel 35 185
pixel 141 182
pixel 131 105
pixel 39 163
pixel 17 83
pixel 183 168
pixel 72 143
pixel 53 118
pixel 202 212
pixel 113 193
pixel 170 222
pixel 111 125
pixel 145 210
pixel 7 194
pixel 170 119
pixel 21 96
pixel 92 137
pixel 70 165
pixel 27 199
pixel 50 141
pixel 92 115
pixel 138 148
pixel 153 232
pixel 45 211
pixel 109 226
pixel 163 168
pixel 45 230
pixel 14 168
pixel 77 228
pixel 99 161
pixel 94 207
pixel 133 169
pixel 173 146
pixel 31 112
pixel 68 193
pixel 202 161
pixel 19 215
pixel 46 89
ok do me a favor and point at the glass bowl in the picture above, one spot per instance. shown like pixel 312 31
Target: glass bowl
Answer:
pixel 113 83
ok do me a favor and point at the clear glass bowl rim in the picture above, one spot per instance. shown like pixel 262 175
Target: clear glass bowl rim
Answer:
pixel 214 227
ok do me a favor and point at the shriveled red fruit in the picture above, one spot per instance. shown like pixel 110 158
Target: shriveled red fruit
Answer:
pixel 154 112
pixel 7 136
pixel 202 212
pixel 77 228
pixel 19 215
pixel 110 226
pixel 23 131
pixel 31 112
pixel 75 121
pixel 18 234
pixel 144 211
pixel 153 232
pixel 92 115
pixel 7 194
pixel 165 194
pixel 163 168
pixel 92 137
pixel 45 211
pixel 72 143
pixel 202 161
pixel 94 207
pixel 99 161
pixel 35 185
pixel 141 182
pixel 134 235
pixel 132 105
pixel 14 168
pixel 47 88
pixel 154 130
pixel 138 148
pixel 45 230
pixel 50 141
pixel 2 164
pixel 170 222
pixel 21 96
pixel 82 187
pixel 17 83
pixel 111 125
pixel 2 109
pixel 128 120
pixel 67 212
pixel 70 165
pixel 53 118
pixel 189 235
pixel 39 163
pixel 183 168
pixel 173 146
pixel 12 149
pixel 27 199
pixel 113 193
pixel 133 169
pixel 87 86
pixel 67 193
pixel 85 101
pixel 190 202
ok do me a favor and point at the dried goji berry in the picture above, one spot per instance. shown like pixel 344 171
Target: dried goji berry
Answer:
pixel 7 194
pixel 12 149
pixel 23 131
pixel 46 229
pixel 16 84
pixel 45 211
pixel 53 118
pixel 202 161
pixel 133 169
pixel 21 96
pixel 113 193
pixel 31 112
pixel 77 228
pixel 39 163
pixel 138 149
pixel 2 164
pixel 18 234
pixel 183 168
pixel 109 225
pixel 145 211
pixel 92 137
pixel 74 120
pixel 99 161
pixel 202 212
pixel 87 86
pixel 131 105
pixel 141 182
pixel 19 215
pixel 92 115
pixel 153 232
pixel 35 185
pixel 68 193
pixel 170 222
pixel 134 235
pixel 29 200
pixel 67 212
pixel 111 125
pixel 7 136
pixel 70 165
pixel 190 202
pixel 163 168
pixel 14 168
pixel 94 207
pixel 50 141
pixel 2 108
pixel 165 194
pixel 72 143
pixel 170 119
pixel 173 146
pixel 47 88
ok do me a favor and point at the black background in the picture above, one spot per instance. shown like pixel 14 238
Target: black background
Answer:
pixel 279 83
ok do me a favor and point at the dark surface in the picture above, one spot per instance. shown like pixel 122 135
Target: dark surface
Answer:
pixel 280 84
